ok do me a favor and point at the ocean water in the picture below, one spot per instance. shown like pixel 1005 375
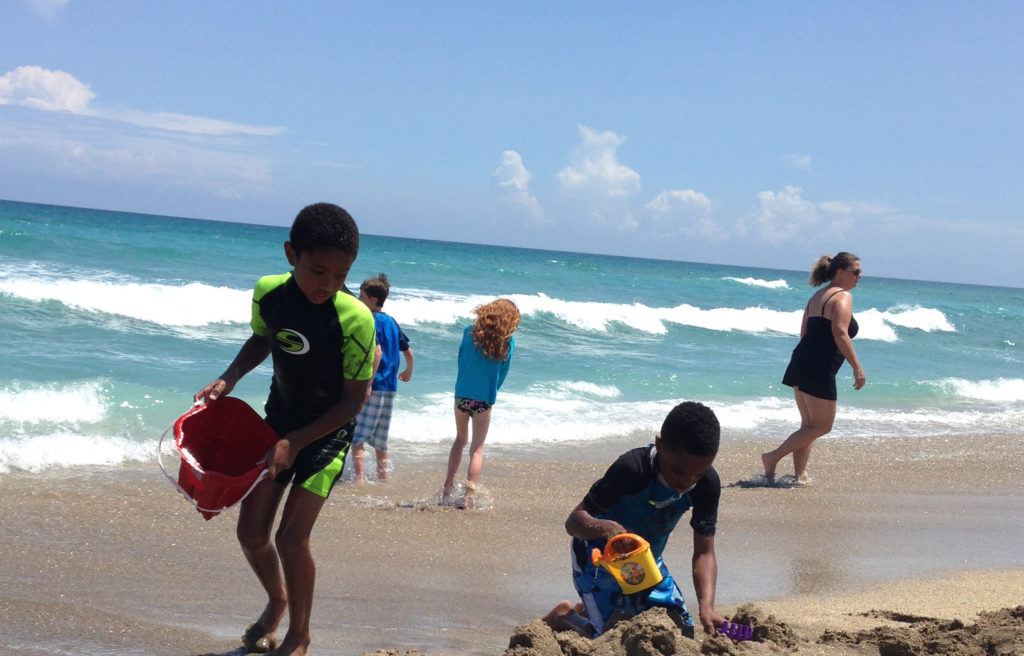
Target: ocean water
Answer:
pixel 113 320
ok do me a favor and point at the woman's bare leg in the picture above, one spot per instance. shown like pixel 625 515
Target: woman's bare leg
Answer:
pixel 816 418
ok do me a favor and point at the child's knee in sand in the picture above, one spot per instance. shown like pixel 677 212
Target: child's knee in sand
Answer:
pixel 665 480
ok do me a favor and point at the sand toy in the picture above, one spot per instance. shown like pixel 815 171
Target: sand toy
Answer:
pixel 737 632
pixel 222 446
pixel 628 558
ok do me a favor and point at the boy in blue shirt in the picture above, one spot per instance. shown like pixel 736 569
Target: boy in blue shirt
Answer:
pixel 645 492
pixel 374 421
pixel 322 344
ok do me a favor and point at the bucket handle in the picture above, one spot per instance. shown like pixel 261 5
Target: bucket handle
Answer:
pixel 174 481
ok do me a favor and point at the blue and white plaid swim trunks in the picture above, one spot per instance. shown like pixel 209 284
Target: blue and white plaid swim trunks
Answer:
pixel 374 420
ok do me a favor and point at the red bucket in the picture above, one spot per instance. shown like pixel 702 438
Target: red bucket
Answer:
pixel 222 446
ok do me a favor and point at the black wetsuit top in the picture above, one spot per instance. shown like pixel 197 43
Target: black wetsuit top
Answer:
pixel 816 359
pixel 631 493
pixel 315 347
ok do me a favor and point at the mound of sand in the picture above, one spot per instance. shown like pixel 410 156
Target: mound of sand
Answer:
pixel 653 633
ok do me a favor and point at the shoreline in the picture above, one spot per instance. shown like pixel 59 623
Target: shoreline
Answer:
pixel 115 560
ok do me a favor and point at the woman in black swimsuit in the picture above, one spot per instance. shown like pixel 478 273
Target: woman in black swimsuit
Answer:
pixel 825 342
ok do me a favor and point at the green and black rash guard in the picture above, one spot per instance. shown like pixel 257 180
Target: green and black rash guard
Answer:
pixel 315 348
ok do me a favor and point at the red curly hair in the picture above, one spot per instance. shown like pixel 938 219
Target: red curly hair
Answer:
pixel 494 325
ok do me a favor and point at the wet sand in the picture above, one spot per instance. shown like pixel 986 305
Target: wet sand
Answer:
pixel 115 561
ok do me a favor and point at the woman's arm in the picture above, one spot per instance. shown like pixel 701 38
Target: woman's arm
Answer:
pixel 842 312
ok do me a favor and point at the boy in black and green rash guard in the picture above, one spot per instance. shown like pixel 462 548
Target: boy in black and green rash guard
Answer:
pixel 322 343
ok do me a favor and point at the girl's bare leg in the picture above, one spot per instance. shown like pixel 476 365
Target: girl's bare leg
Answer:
pixel 455 455
pixel 481 422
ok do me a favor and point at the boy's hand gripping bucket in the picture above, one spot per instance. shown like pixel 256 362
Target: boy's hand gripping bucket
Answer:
pixel 222 446
pixel 628 558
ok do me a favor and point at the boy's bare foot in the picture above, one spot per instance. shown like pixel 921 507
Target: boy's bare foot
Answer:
pixel 565 617
pixel 769 469
pixel 261 636
pixel 257 640
pixel 556 616
pixel 290 648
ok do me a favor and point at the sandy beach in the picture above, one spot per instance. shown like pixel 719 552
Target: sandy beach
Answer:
pixel 114 561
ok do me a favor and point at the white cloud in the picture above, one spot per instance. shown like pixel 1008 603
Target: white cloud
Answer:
pixel 190 124
pixel 46 9
pixel 688 211
pixel 139 159
pixel 40 88
pixel 679 199
pixel 799 162
pixel 599 184
pixel 596 168
pixel 780 216
pixel 514 177
pixel 855 207
pixel 225 175
pixel 70 137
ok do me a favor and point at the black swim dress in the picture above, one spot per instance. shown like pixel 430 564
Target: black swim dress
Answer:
pixel 816 359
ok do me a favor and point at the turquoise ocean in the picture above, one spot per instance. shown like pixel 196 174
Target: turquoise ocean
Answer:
pixel 113 320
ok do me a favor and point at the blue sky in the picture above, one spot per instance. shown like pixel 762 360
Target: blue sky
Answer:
pixel 751 133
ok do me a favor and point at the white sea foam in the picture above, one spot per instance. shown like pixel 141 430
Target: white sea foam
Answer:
pixel 55 426
pixel 522 419
pixel 873 325
pixel 564 411
pixel 757 282
pixel 65 449
pixel 526 418
pixel 197 304
pixel 73 404
pixel 589 389
pixel 422 308
pixel 920 318
pixel 1001 390
pixel 192 304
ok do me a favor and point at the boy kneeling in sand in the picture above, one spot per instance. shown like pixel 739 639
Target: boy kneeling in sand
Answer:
pixel 645 492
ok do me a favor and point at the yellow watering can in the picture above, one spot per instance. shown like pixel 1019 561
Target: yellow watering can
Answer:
pixel 627 557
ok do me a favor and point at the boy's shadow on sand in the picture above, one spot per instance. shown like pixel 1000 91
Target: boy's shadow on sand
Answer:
pixel 240 651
